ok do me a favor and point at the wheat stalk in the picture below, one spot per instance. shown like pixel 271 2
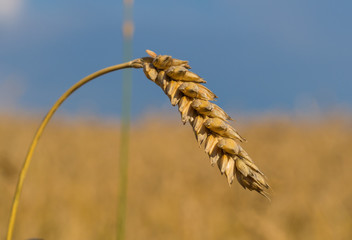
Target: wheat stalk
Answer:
pixel 137 63
pixel 210 123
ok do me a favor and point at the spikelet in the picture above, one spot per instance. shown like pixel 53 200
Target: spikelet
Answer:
pixel 209 122
pixel 173 93
pixel 222 163
pixel 209 109
pixel 229 145
pixel 183 74
pixel 162 79
pixel 222 128
pixel 165 61
pixel 198 91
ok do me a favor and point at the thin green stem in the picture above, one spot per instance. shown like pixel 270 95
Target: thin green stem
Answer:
pixel 137 63
pixel 124 149
pixel 125 124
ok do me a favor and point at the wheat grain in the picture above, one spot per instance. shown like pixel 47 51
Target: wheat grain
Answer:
pixel 209 121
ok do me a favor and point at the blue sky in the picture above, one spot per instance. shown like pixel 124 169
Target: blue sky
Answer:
pixel 257 56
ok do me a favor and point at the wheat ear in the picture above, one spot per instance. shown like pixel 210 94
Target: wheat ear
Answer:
pixel 210 123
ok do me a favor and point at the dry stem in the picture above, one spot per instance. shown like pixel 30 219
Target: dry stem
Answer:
pixel 132 64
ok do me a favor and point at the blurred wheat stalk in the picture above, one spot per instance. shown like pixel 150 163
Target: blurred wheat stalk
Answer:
pixel 209 122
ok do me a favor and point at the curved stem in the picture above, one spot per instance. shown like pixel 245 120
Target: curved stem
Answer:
pixel 137 63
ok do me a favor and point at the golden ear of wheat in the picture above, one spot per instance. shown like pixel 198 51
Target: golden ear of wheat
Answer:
pixel 209 122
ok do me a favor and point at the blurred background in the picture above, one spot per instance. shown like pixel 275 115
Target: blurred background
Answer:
pixel 281 69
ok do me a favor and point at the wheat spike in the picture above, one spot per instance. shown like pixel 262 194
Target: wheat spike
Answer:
pixel 209 122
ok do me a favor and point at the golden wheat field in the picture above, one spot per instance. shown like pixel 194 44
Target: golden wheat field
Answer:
pixel 173 192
